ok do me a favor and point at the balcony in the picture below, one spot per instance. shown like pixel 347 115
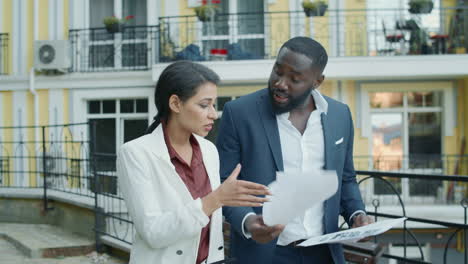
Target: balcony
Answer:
pixel 4 53
pixel 371 32
pixel 135 48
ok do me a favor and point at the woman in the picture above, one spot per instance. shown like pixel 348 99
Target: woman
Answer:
pixel 170 177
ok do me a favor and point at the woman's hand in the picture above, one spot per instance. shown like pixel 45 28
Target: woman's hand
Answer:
pixel 234 192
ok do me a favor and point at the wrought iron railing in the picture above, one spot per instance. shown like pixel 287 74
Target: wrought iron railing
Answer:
pixel 52 157
pixel 95 49
pixel 414 191
pixel 4 51
pixel 371 32
pixel 441 229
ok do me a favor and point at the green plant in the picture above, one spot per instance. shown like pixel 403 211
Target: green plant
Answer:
pixel 205 12
pixel 317 8
pixel 112 20
pixel 420 6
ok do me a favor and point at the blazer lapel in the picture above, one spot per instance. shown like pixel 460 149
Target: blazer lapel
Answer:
pixel 329 144
pixel 159 149
pixel 270 125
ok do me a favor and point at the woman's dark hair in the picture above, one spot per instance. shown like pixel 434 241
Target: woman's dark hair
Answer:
pixel 181 78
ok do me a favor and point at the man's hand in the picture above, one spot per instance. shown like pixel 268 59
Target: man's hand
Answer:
pixel 362 220
pixel 260 232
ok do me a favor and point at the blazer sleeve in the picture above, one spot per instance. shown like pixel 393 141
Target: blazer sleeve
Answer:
pixel 157 228
pixel 351 200
pixel 229 149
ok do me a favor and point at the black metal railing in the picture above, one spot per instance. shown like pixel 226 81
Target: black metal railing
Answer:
pixel 52 157
pixel 133 48
pixel 441 229
pixel 112 217
pixel 415 191
pixel 371 32
pixel 4 51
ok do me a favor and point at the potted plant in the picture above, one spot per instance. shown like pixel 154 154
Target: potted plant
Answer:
pixel 317 8
pixel 420 6
pixel 114 24
pixel 205 12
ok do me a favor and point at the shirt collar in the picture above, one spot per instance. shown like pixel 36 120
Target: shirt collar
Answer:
pixel 320 102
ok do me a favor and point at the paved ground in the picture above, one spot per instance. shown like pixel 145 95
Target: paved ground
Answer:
pixel 10 255
pixel 26 243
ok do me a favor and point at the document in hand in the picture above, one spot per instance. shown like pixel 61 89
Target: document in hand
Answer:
pixel 295 191
pixel 354 234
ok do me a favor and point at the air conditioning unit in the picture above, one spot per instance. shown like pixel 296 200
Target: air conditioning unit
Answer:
pixel 51 54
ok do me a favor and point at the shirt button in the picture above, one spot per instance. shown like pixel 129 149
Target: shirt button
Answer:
pixel 221 247
pixel 179 252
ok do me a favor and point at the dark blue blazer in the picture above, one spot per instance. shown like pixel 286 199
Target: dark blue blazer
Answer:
pixel 249 135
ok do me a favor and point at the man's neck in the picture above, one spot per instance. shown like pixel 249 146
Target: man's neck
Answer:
pixel 300 115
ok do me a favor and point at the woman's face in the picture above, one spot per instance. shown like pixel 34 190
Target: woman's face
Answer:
pixel 198 113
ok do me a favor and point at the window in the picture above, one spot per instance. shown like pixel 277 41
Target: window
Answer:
pixel 392 18
pixel 128 49
pixel 117 121
pixel 406 135
pixel 245 32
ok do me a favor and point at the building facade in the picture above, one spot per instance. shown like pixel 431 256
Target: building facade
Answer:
pixel 403 74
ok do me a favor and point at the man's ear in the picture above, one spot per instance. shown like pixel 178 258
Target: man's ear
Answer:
pixel 319 81
pixel 175 103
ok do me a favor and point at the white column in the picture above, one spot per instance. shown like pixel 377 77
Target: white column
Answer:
pixel 19 150
pixel 52 19
pixel 59 22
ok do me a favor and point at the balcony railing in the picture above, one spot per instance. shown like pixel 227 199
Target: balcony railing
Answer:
pixel 371 32
pixel 436 234
pixel 95 49
pixel 413 190
pixel 4 53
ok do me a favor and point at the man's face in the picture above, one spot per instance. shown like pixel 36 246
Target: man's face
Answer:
pixel 291 81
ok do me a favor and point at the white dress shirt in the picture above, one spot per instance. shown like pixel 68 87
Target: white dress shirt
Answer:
pixel 303 152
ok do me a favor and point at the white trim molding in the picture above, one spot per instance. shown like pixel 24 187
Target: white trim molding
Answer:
pixel 347 68
pixel 446 87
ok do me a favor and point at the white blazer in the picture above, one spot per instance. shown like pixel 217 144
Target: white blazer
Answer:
pixel 168 221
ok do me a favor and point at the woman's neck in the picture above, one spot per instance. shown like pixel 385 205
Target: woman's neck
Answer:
pixel 177 135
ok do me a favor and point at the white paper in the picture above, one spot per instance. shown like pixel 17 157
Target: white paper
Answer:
pixel 354 234
pixel 294 192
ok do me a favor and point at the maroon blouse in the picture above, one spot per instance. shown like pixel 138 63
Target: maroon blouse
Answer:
pixel 196 179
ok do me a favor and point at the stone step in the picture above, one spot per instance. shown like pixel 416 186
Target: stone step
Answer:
pixel 45 241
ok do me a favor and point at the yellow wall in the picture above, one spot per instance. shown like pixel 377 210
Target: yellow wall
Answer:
pixel 279 26
pixel 355 28
pixel 66 18
pixel 30 34
pixel 43 20
pixel 30 137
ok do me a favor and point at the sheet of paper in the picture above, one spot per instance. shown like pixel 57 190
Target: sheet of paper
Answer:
pixel 354 234
pixel 293 192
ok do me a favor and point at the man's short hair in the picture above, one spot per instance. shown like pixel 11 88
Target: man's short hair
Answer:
pixel 310 48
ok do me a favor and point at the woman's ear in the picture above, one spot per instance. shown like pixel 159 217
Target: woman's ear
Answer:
pixel 175 103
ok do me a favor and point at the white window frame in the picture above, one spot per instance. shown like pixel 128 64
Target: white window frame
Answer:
pixel 447 125
pixel 233 35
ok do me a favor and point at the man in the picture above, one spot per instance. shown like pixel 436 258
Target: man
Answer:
pixel 290 126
